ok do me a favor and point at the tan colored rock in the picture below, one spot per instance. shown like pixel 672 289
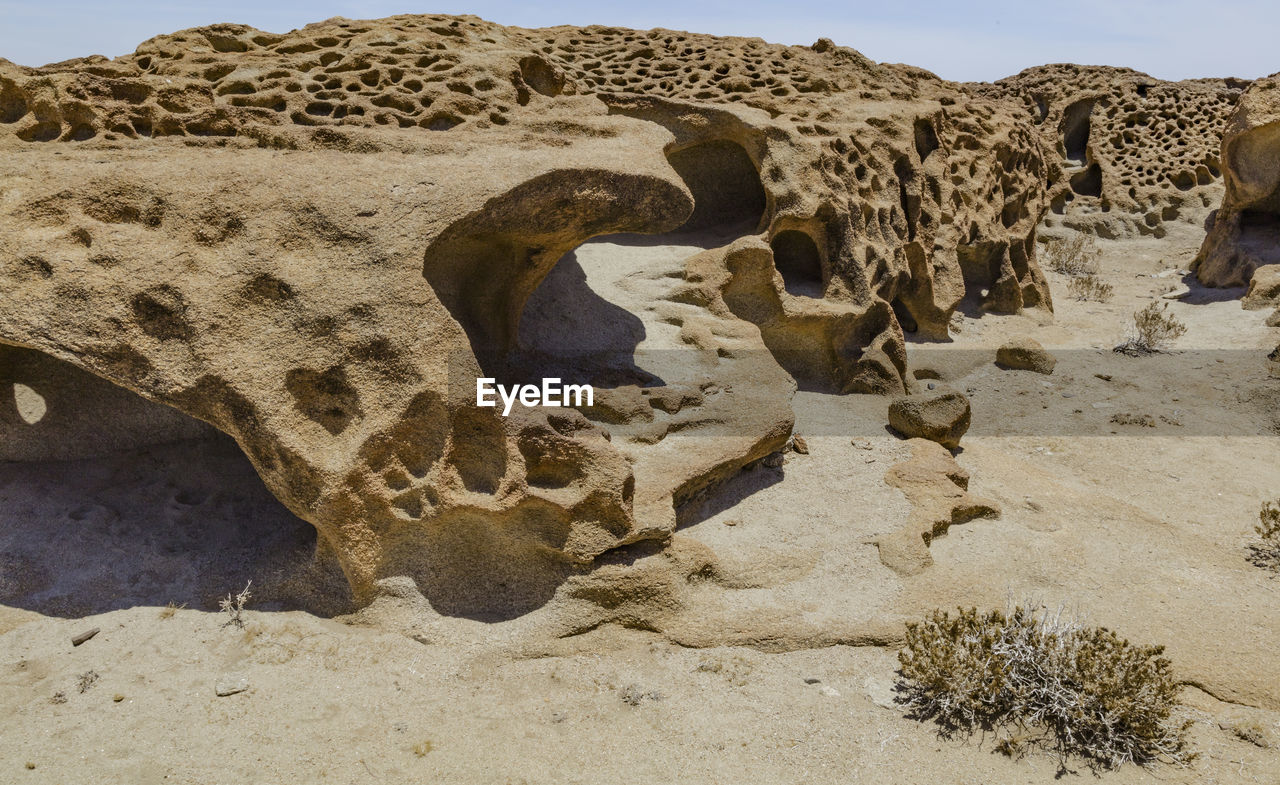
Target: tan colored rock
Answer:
pixel 1264 289
pixel 1025 354
pixel 938 489
pixel 941 417
pixel 316 242
pixel 1131 152
pixel 1244 234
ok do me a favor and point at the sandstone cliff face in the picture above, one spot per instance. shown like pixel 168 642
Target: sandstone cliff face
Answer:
pixel 317 241
pixel 1245 233
pixel 1130 152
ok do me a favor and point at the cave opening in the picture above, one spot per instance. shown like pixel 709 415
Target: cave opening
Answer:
pixel 1087 182
pixel 1255 219
pixel 114 501
pixel 1075 131
pixel 926 138
pixel 726 187
pixel 798 260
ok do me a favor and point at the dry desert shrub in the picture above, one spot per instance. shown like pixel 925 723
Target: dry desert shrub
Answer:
pixel 1152 331
pixel 1041 680
pixel 1252 732
pixel 1129 418
pixel 423 747
pixel 233 606
pixel 1090 287
pixel 1266 552
pixel 86 680
pixel 1077 256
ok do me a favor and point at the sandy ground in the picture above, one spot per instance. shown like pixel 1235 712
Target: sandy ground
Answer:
pixel 1140 528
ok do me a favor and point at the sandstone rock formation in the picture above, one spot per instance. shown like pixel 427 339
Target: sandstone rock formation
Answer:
pixel 941 417
pixel 317 241
pixel 938 490
pixel 1132 151
pixel 1264 288
pixel 1244 234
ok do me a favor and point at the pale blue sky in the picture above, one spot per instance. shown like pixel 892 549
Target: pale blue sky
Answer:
pixel 978 40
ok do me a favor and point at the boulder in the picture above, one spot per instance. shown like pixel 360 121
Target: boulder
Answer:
pixel 1264 289
pixel 941 417
pixel 1025 354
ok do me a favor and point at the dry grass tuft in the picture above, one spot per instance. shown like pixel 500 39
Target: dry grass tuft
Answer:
pixel 233 606
pixel 1041 680
pixel 1075 257
pixel 1090 287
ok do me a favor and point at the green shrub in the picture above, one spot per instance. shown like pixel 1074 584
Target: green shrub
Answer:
pixel 1039 680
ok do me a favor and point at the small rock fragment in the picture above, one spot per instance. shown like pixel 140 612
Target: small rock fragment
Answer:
pixel 84 636
pixel 799 445
pixel 230 685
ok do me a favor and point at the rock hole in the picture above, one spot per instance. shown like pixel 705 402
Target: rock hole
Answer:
pixel 926 138
pixel 797 259
pixel 13 103
pixel 41 132
pixel 326 397
pixel 724 182
pixel 1075 130
pixel 1088 182
pixel 160 312
pixel 539 75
